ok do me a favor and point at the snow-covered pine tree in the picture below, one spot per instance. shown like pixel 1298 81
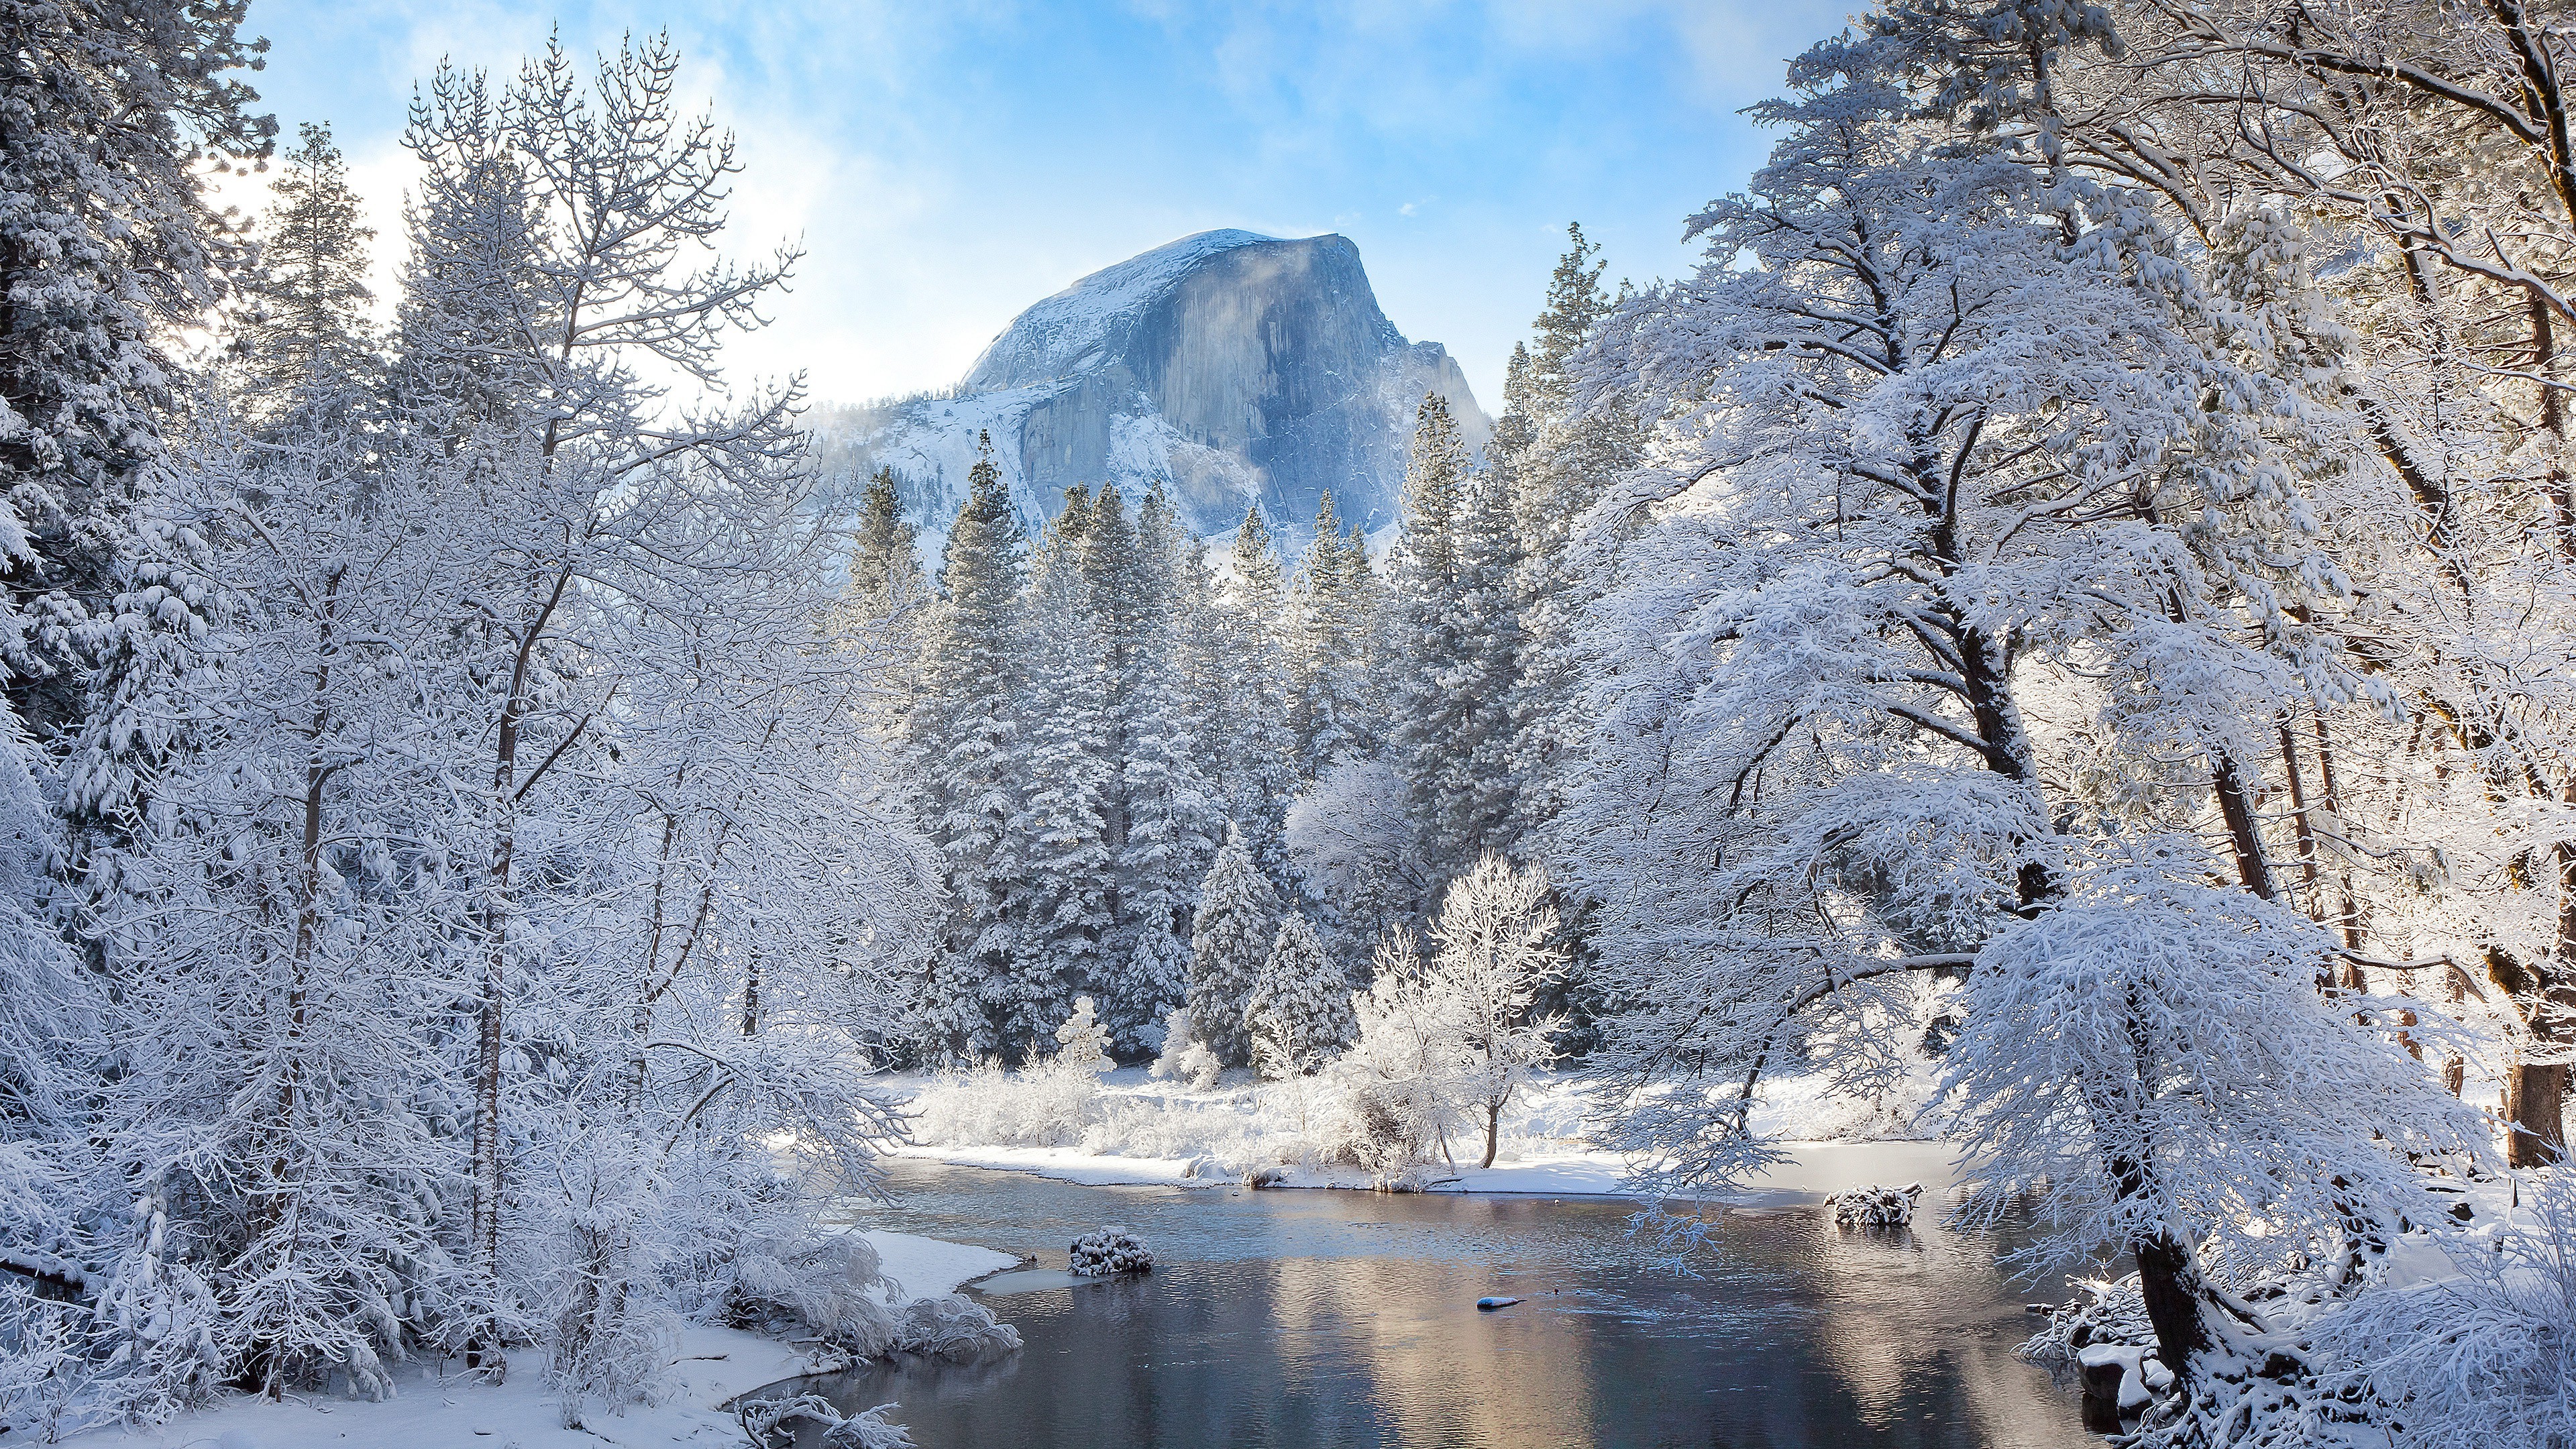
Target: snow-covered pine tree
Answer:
pixel 1299 1014
pixel 1230 937
pixel 1081 1042
pixel 964 735
pixel 1063 774
pixel 1555 449
pixel 1333 707
pixel 1259 770
pixel 1171 815
pixel 303 310
pixel 115 118
pixel 1455 599
pixel 883 611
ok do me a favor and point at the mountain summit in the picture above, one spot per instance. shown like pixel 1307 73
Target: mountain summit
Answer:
pixel 1234 367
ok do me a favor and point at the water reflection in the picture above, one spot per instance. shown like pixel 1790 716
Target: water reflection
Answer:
pixel 1296 1318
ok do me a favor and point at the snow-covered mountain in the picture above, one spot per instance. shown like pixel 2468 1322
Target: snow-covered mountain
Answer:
pixel 1236 368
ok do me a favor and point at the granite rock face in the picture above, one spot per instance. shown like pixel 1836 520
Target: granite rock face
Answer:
pixel 1235 368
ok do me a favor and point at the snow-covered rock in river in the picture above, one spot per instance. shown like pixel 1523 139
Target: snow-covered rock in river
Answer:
pixel 1107 1252
pixel 1875 1207
pixel 1236 368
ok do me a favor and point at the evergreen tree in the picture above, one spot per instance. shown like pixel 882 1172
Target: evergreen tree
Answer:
pixel 1554 451
pixel 1453 732
pixel 965 738
pixel 1259 772
pixel 882 612
pixel 1333 709
pixel 1170 812
pixel 885 557
pixel 305 302
pixel 1081 1043
pixel 1299 1014
pixel 1229 939
pixel 109 116
pixel 1064 771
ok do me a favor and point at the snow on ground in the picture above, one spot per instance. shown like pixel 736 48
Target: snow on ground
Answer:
pixel 928 1267
pixel 1136 1130
pixel 437 1409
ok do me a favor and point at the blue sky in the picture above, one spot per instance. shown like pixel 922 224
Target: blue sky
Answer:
pixel 947 163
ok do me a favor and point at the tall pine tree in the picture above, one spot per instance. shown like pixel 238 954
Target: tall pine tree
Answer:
pixel 1170 813
pixel 965 738
pixel 1453 729
pixel 1058 837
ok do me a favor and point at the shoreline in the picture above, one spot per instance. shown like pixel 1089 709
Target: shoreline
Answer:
pixel 1815 1170
pixel 433 1410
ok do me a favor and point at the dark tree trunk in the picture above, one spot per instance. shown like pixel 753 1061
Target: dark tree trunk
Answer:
pixel 2172 1290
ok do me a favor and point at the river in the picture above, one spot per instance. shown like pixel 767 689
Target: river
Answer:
pixel 1345 1318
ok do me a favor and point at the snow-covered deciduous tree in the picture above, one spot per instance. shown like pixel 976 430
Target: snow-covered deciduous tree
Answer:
pixel 1493 948
pixel 1356 855
pixel 1299 1014
pixel 1230 937
pixel 2153 1050
pixel 1950 457
pixel 1396 1076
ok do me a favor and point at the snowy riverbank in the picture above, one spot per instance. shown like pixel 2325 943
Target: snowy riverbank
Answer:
pixel 1135 1129
pixel 435 1408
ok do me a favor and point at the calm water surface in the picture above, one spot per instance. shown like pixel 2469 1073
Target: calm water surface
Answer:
pixel 1312 1318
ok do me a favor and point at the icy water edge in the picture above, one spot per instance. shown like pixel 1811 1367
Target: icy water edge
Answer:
pixel 1342 1318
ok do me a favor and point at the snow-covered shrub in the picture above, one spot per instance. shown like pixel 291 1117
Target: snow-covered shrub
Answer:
pixel 1082 1044
pixel 955 1329
pixel 1040 1106
pixel 39 1364
pixel 1184 1057
pixel 831 1287
pixel 1145 1127
pixel 1300 1012
pixel 1872 1206
pixel 2483 1360
pixel 772 1423
pixel 606 1356
pixel 1107 1252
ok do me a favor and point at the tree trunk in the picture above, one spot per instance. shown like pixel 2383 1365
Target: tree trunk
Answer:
pixel 2534 1113
pixel 2172 1289
pixel 1493 1131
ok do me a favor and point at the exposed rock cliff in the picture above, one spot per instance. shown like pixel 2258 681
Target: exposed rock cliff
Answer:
pixel 1237 368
